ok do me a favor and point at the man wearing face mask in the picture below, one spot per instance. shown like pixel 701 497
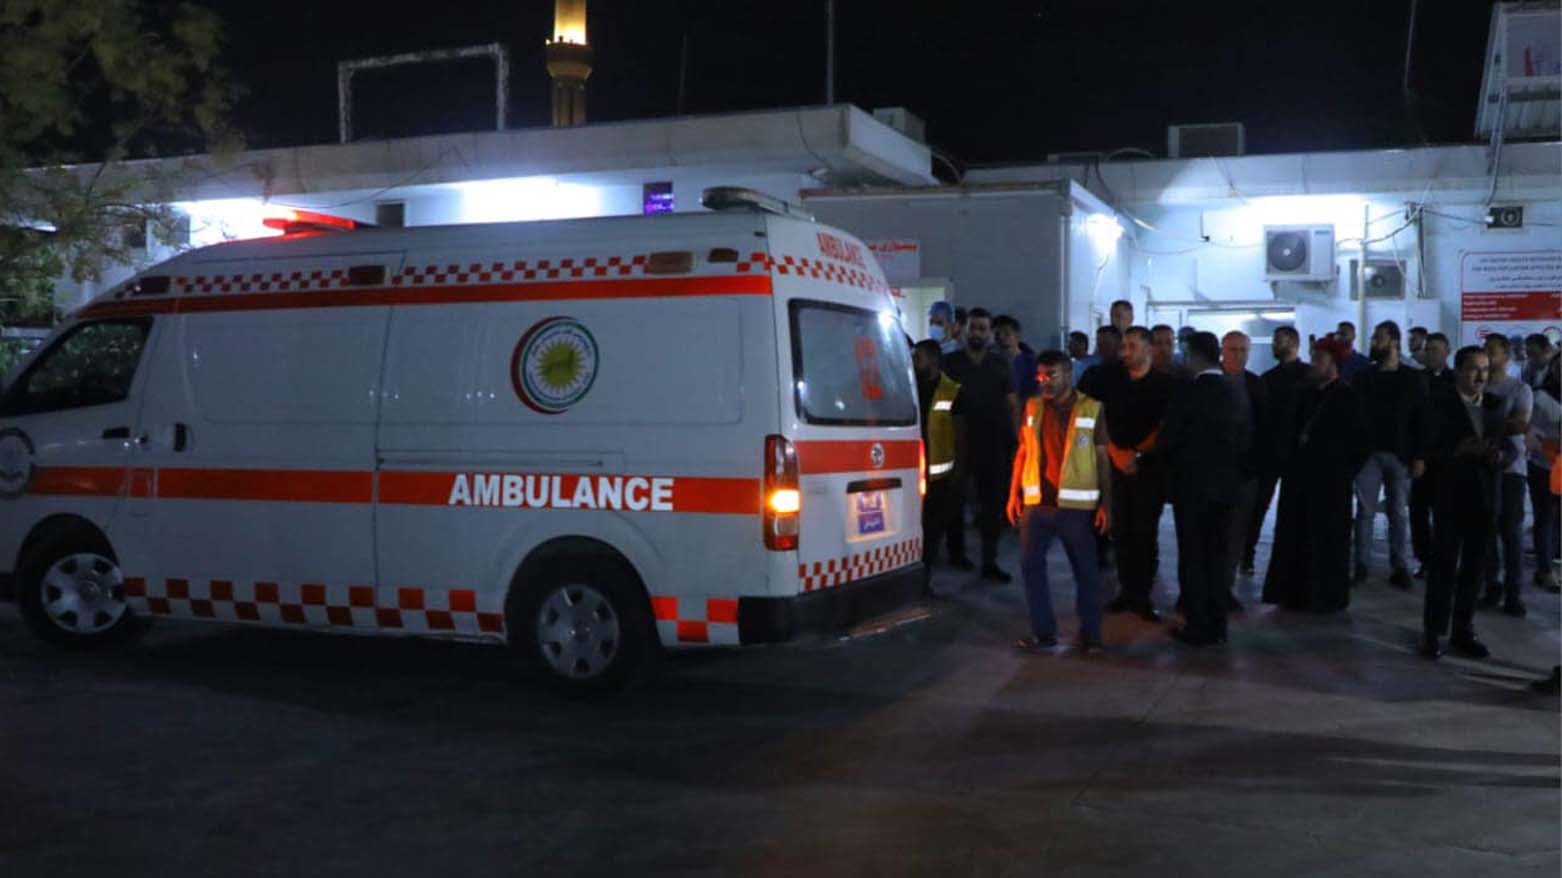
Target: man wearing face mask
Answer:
pixel 941 327
pixel 992 415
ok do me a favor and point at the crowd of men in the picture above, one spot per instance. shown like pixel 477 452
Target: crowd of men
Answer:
pixel 1087 448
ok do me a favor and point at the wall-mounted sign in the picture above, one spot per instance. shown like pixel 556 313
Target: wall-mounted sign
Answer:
pixel 1512 293
pixel 656 198
pixel 900 258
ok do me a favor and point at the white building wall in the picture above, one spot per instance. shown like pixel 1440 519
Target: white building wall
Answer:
pixel 1205 218
pixel 999 251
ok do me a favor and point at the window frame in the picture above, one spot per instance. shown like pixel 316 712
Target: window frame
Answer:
pixel 11 405
pixel 794 310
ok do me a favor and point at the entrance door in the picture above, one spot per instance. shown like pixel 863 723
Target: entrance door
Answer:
pixel 916 297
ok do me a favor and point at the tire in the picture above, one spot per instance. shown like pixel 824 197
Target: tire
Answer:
pixel 71 592
pixel 583 622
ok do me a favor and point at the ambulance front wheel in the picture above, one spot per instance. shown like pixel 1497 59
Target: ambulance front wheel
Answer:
pixel 582 620
pixel 71 591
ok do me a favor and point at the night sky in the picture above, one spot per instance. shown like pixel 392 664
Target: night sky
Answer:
pixel 995 81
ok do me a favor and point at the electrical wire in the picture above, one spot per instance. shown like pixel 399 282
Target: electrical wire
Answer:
pixel 1497 141
pixel 1409 94
pixel 1115 203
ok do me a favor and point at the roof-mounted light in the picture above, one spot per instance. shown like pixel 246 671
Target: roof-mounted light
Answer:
pixel 290 221
pixel 738 198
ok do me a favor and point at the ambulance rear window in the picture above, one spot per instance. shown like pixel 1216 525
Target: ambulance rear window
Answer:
pixel 852 366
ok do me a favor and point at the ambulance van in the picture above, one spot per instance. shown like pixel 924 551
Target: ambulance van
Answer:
pixel 590 439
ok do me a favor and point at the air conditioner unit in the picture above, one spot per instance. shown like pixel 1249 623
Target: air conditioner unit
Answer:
pixel 1203 141
pixel 1299 253
pixel 1385 280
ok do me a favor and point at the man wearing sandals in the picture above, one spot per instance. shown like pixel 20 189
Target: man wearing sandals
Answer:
pixel 1058 491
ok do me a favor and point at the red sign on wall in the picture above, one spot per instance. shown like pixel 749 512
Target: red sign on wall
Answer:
pixel 1510 292
pixel 1511 306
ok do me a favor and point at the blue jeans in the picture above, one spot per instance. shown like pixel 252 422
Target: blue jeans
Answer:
pixel 1076 529
pixel 1383 469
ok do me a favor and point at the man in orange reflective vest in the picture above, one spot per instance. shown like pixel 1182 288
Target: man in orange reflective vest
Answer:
pixel 1059 490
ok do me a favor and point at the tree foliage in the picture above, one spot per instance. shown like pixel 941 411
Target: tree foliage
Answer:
pixel 88 88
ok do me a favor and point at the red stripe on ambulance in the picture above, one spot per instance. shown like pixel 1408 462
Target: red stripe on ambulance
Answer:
pixel 572 491
pixel 632 288
pixel 822 457
pixel 299 486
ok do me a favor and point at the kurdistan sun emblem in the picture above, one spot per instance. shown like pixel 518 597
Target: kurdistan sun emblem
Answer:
pixel 554 365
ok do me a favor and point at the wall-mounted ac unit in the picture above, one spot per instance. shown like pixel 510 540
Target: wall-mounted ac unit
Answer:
pixel 1385 280
pixel 1203 141
pixel 1299 253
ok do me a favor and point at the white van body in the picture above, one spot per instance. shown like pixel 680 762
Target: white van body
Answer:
pixel 379 430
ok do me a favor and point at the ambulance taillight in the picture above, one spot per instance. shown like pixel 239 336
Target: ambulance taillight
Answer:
pixel 783 497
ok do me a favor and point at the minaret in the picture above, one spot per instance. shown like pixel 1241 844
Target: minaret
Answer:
pixel 569 62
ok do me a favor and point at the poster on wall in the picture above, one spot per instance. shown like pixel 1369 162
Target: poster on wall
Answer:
pixel 901 259
pixel 1512 293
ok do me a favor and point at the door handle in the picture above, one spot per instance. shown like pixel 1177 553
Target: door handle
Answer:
pixel 117 433
pixel 181 437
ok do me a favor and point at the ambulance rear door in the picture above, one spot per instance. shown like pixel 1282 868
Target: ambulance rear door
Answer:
pixel 851 416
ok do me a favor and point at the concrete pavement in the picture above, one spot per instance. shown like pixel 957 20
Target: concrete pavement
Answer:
pixel 1309 746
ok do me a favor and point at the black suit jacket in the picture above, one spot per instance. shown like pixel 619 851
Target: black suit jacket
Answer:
pixel 1208 428
pixel 1464 478
pixel 1256 395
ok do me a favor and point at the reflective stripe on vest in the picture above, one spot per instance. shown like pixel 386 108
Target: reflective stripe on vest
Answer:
pixel 941 429
pixel 1076 494
pixel 1078 488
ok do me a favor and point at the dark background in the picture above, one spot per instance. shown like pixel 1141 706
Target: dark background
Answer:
pixel 995 81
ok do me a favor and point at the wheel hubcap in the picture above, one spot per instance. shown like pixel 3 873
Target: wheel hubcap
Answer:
pixel 84 593
pixel 578 631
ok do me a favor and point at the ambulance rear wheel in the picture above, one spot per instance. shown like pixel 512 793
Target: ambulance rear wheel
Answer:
pixel 583 621
pixel 71 591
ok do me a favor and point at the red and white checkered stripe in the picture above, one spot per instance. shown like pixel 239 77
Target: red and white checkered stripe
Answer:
pixel 450 612
pixel 825 270
pixel 696 620
pixel 518 271
pixel 321 279
pixel 452 274
pixel 839 571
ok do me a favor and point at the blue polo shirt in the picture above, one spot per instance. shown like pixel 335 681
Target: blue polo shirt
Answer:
pixel 1025 383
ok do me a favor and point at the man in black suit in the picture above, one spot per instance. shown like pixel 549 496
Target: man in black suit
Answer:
pixel 1467 451
pixel 1235 349
pixel 1276 433
pixel 1208 428
pixel 1435 358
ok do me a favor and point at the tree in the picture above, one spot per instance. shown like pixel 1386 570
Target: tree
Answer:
pixel 88 87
